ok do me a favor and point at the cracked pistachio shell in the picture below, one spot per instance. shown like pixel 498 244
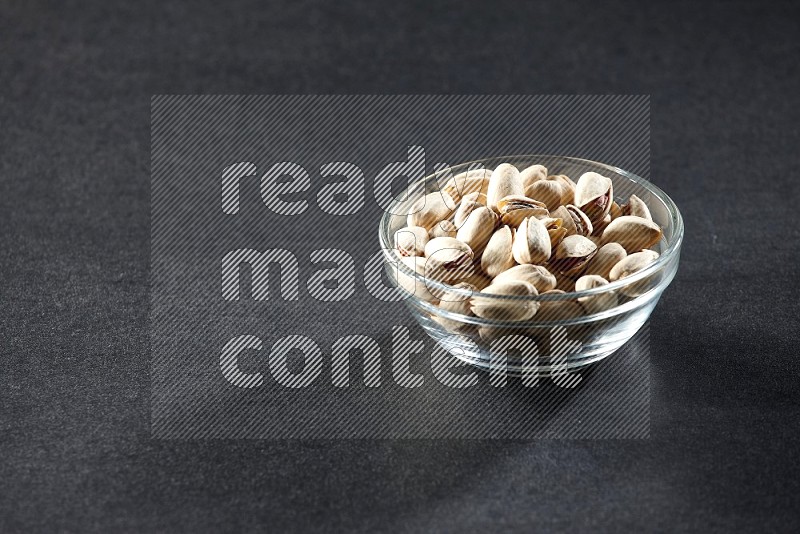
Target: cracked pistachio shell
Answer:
pixel 497 256
pixel 615 211
pixel 444 228
pixel 505 181
pixel 593 195
pixel 479 197
pixel 411 241
pixel 633 233
pixel 506 310
pixel 448 259
pixel 578 221
pixel 430 209
pixel 548 192
pixel 514 208
pixel 637 208
pixel 531 242
pixel 632 263
pixel 606 257
pixel 531 174
pixel 542 279
pixel 556 310
pixel 465 183
pixel 555 230
pixel 478 229
pixel 572 254
pixel 567 188
pixel 595 303
pixel 411 284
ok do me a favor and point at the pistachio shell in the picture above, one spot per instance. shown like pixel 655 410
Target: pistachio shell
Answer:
pixel 411 241
pixel 478 228
pixel 542 279
pixel 548 192
pixel 567 188
pixel 448 259
pixel 444 228
pixel 506 310
pixel 595 303
pixel 477 279
pixel 633 233
pixel 411 284
pixel 637 208
pixel 555 230
pixel 477 196
pixel 430 209
pixel 556 310
pixel 593 195
pixel 572 254
pixel 601 225
pixel 497 255
pixel 472 181
pixel 531 242
pixel 454 303
pixel 505 181
pixel 464 210
pixel 514 208
pixel 580 221
pixel 632 263
pixel 607 256
pixel 531 174
pixel 615 211
pixel 566 219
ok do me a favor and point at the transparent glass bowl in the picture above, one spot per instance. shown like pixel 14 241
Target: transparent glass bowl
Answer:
pixel 562 339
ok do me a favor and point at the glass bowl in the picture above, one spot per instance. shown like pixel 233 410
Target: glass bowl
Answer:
pixel 567 337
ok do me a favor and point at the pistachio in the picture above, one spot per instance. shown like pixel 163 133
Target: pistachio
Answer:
pixel 411 241
pixel 531 174
pixel 600 226
pixel 514 208
pixel 615 211
pixel 555 230
pixel 637 208
pixel 631 264
pixel 411 284
pixel 477 196
pixel 548 192
pixel 557 310
pixel 580 221
pixel 633 233
pixel 606 257
pixel 430 209
pixel 593 195
pixel 567 188
pixel 572 254
pixel 595 303
pixel 464 210
pixel 506 310
pixel 448 259
pixel 444 228
pixel 531 242
pixel 465 183
pixel 497 255
pixel 455 303
pixel 478 229
pixel 542 279
pixel 478 280
pixel 505 181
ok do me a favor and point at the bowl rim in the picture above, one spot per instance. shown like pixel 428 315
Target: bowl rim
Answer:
pixel 672 250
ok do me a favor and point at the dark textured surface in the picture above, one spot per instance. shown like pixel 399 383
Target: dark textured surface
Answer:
pixel 74 158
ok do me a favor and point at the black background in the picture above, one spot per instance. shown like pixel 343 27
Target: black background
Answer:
pixel 74 160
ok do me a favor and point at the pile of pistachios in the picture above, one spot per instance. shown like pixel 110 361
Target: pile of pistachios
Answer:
pixel 525 233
